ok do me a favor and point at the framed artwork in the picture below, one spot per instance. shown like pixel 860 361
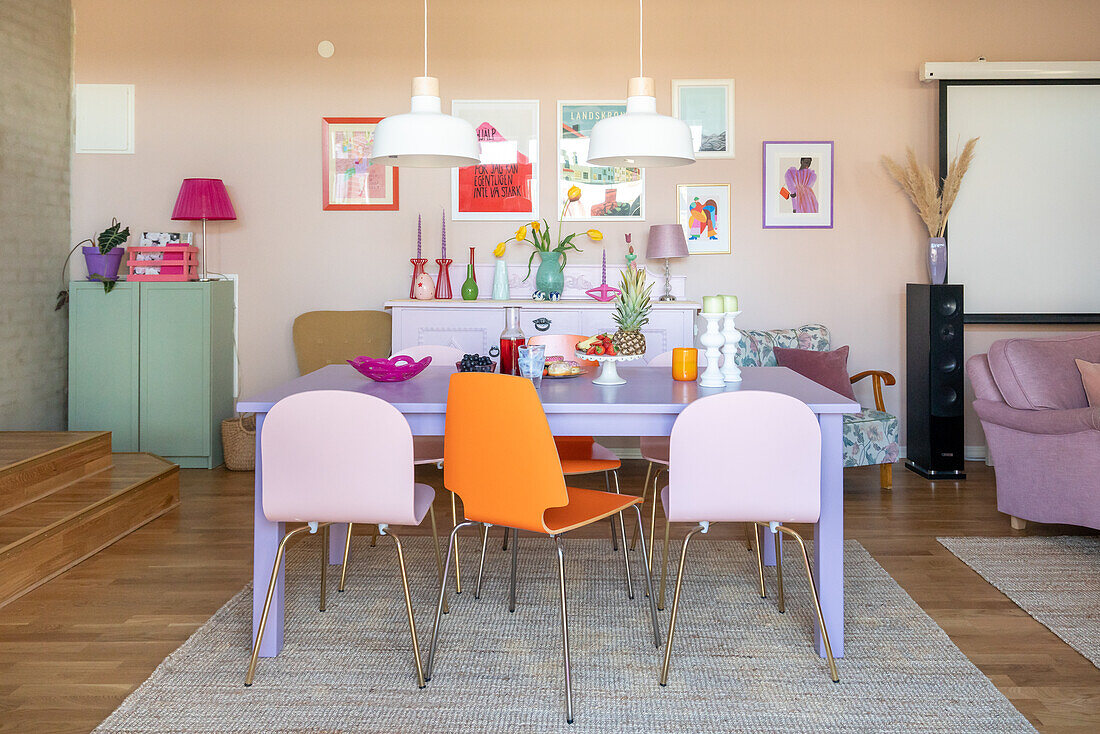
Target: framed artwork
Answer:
pixel 798 184
pixel 706 105
pixel 703 210
pixel 504 186
pixel 348 181
pixel 607 192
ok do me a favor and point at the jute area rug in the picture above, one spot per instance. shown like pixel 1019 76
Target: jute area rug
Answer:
pixel 738 665
pixel 1056 580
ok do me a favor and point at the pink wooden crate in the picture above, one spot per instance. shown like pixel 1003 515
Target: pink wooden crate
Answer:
pixel 177 263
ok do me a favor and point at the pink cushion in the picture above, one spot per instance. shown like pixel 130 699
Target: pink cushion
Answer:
pixel 1034 374
pixel 829 369
pixel 1090 379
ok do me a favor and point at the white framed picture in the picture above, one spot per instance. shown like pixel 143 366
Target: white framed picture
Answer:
pixel 706 105
pixel 798 184
pixel 606 192
pixel 504 186
pixel 703 210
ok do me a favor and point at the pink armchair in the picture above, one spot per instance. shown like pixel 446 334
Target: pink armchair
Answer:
pixel 1043 437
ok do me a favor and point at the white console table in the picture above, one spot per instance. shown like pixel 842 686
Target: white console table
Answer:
pixel 475 326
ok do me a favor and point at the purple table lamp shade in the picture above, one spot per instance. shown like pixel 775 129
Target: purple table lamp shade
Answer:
pixel 203 198
pixel 666 240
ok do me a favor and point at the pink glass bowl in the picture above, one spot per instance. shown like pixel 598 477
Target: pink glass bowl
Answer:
pixel 395 369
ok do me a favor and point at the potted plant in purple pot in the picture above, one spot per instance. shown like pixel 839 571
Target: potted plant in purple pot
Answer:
pixel 105 256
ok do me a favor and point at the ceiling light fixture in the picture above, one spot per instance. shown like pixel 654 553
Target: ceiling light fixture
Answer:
pixel 641 138
pixel 424 137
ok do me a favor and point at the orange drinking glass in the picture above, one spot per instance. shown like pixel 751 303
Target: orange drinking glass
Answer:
pixel 685 363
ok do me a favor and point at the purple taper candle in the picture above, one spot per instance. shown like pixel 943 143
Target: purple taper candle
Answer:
pixel 418 237
pixel 603 271
pixel 444 234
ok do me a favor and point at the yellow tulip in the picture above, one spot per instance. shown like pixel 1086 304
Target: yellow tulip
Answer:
pixel 521 233
pixel 498 251
pixel 595 235
pixel 574 193
pixel 536 226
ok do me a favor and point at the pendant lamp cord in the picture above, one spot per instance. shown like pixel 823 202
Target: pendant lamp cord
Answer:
pixel 639 38
pixel 425 37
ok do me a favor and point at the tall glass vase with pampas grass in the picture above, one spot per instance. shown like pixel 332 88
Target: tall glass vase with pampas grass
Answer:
pixel 933 199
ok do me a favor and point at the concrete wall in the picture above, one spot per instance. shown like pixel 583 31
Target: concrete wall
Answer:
pixel 237 91
pixel 35 79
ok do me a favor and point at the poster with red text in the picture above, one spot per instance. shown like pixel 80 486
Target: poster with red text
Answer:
pixel 504 186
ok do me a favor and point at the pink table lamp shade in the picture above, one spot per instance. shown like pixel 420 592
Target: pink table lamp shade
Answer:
pixel 666 240
pixel 203 198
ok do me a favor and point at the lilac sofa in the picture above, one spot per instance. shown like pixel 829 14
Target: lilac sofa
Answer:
pixel 1043 437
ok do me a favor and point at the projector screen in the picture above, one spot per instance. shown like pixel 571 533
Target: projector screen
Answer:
pixel 1024 234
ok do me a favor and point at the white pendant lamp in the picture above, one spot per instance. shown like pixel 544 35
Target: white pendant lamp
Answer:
pixel 641 138
pixel 424 137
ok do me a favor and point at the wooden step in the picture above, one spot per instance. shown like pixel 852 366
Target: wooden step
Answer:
pixel 45 537
pixel 35 463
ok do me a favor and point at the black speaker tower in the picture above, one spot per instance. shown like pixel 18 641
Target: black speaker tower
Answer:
pixel 934 379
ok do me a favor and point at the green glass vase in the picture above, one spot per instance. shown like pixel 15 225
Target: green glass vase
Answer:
pixel 469 288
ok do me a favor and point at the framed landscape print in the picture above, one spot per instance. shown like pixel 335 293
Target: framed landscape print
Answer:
pixel 348 180
pixel 798 184
pixel 607 192
pixel 504 186
pixel 706 105
pixel 703 210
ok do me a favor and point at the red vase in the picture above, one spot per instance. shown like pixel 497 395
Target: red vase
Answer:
pixel 418 264
pixel 443 282
pixel 474 270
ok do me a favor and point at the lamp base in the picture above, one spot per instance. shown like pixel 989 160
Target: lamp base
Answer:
pixel 667 298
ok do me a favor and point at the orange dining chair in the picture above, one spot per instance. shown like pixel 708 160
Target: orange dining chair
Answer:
pixel 426 450
pixel 332 456
pixel 504 466
pixel 752 457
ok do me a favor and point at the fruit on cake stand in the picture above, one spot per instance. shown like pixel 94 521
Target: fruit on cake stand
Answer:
pixel 632 307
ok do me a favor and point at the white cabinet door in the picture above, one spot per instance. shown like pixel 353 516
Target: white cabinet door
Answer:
pixel 472 330
pixel 665 330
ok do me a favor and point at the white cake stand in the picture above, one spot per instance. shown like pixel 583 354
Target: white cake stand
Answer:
pixel 609 374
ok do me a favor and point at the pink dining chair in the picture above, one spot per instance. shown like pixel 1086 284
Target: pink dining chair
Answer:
pixel 332 456
pixel 752 457
pixel 426 449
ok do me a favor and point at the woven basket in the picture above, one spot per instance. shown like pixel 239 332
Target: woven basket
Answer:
pixel 239 443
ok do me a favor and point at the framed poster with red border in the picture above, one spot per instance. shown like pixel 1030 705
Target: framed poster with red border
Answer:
pixel 504 185
pixel 349 182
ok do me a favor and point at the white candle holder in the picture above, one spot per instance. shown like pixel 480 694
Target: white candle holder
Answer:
pixel 713 340
pixel 730 371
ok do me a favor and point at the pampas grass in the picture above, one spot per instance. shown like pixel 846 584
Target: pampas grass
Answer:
pixel 933 202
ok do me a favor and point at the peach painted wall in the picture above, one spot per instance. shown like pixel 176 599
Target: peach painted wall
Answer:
pixel 236 90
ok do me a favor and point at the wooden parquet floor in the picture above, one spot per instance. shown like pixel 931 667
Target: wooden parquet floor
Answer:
pixel 71 650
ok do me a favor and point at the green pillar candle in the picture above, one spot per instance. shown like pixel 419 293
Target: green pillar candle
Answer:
pixel 713 304
pixel 729 303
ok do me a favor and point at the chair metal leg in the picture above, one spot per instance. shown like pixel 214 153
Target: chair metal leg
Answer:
pixel 481 566
pixel 611 520
pixel 458 563
pixel 676 605
pixel 649 587
pixel 438 555
pixel 347 552
pixel 504 543
pixel 442 594
pixel 653 518
pixel 664 568
pixel 817 603
pixel 515 560
pixel 267 603
pixel 622 532
pixel 779 570
pixel 420 680
pixel 324 566
pixel 564 631
pixel 759 559
pixel 645 495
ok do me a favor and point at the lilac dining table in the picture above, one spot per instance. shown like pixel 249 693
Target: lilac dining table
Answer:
pixel 647 405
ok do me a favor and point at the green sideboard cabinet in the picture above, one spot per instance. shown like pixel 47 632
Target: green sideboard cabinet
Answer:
pixel 153 363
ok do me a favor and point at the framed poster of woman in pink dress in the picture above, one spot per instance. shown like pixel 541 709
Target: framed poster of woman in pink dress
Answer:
pixel 798 184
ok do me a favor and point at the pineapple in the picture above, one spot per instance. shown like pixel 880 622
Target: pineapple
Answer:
pixel 631 312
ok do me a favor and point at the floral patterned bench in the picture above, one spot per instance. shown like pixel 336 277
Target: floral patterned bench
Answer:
pixel 870 436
